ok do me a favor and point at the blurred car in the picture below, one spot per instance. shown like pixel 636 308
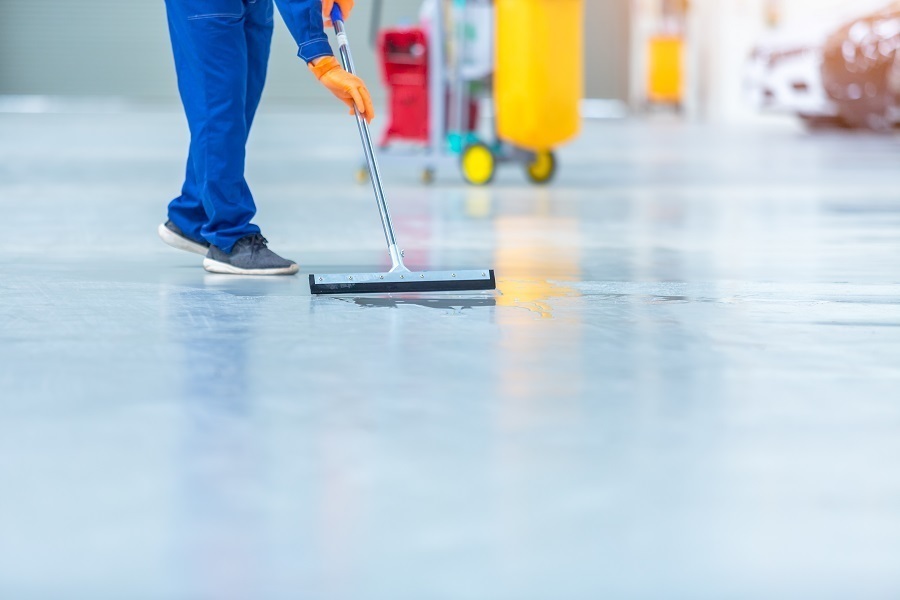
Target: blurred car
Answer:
pixel 861 69
pixel 784 74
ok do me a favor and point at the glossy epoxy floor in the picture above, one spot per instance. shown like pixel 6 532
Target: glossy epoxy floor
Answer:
pixel 687 387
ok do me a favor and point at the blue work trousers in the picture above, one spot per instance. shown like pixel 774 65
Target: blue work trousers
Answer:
pixel 221 52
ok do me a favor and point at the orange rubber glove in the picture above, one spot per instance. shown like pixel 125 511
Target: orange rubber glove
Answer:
pixel 348 88
pixel 346 8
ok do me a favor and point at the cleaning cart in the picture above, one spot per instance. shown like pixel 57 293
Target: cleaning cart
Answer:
pixel 524 55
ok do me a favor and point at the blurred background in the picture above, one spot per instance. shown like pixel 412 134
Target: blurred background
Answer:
pixel 722 60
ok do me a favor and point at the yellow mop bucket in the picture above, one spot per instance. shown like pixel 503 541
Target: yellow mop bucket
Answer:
pixel 665 77
pixel 539 81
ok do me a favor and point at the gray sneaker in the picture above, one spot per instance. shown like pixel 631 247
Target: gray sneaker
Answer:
pixel 171 234
pixel 250 256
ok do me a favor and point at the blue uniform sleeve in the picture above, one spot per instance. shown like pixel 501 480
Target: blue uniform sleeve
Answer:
pixel 304 20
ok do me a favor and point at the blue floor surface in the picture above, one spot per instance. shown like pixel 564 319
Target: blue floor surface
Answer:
pixel 687 385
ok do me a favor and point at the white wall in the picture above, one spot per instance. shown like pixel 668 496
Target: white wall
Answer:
pixel 721 34
pixel 793 11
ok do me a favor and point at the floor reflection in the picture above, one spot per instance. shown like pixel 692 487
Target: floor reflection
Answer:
pixel 531 266
pixel 220 458
pixel 456 304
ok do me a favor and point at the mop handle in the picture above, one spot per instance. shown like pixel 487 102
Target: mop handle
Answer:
pixel 337 19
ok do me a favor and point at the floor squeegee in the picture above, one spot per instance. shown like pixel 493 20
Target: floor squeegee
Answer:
pixel 399 279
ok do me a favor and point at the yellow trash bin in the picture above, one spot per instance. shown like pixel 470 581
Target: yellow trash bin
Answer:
pixel 539 80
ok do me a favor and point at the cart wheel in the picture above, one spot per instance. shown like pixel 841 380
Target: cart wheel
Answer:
pixel 542 169
pixel 478 164
pixel 362 176
pixel 428 176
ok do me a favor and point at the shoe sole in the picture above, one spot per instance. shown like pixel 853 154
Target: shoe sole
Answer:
pixel 181 243
pixel 214 266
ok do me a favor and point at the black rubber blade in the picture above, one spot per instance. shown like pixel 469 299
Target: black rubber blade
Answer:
pixel 382 283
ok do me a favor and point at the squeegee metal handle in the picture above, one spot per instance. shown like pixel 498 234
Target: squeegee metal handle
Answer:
pixel 337 18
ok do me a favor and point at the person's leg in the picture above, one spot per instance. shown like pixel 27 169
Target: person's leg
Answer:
pixel 211 53
pixel 222 47
pixel 258 27
pixel 186 211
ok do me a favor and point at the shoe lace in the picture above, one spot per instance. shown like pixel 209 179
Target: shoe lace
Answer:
pixel 255 241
